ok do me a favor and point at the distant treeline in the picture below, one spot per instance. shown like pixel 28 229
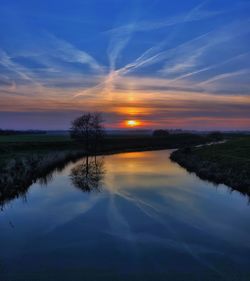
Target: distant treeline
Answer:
pixel 214 136
pixel 15 132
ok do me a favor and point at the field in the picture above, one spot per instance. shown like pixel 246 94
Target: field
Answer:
pixel 34 138
pixel 227 163
pixel 35 146
pixel 236 151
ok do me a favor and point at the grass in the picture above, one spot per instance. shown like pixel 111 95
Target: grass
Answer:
pixel 20 143
pixel 34 138
pixel 235 150
pixel 227 163
pixel 16 146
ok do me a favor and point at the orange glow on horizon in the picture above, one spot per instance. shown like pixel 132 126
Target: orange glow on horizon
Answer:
pixel 132 123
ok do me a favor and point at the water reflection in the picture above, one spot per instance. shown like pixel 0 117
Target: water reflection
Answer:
pixel 19 174
pixel 152 221
pixel 15 182
pixel 88 175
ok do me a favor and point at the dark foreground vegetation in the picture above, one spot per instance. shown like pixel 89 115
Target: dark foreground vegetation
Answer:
pixel 25 145
pixel 227 163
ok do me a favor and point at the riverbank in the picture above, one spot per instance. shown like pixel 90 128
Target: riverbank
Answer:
pixel 27 159
pixel 15 146
pixel 21 172
pixel 227 163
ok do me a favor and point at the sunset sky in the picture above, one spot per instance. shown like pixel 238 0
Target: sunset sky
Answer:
pixel 169 64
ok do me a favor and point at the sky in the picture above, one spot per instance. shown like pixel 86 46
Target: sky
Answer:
pixel 163 63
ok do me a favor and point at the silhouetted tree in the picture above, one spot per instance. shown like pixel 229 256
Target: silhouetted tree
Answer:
pixel 89 129
pixel 88 175
pixel 98 129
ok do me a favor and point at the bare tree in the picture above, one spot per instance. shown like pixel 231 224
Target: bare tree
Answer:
pixel 88 175
pixel 89 129
pixel 98 129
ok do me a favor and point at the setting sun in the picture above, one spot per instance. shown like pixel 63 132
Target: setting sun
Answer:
pixel 132 123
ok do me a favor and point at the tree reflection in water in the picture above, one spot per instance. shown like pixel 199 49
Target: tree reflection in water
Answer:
pixel 89 174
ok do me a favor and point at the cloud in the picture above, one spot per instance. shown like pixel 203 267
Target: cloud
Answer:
pixel 173 109
pixel 21 71
pixel 233 59
pixel 118 42
pixel 225 76
pixel 182 64
pixel 120 37
pixel 190 51
pixel 69 53
pixel 51 52
pixel 163 70
pixel 144 26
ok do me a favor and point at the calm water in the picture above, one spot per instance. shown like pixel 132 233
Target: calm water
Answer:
pixel 130 216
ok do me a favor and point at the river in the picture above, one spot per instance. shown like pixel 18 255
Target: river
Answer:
pixel 128 216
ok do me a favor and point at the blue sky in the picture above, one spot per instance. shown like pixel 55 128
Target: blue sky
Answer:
pixel 173 64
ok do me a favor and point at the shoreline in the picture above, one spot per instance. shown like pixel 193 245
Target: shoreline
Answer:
pixel 20 173
pixel 218 171
pixel 24 164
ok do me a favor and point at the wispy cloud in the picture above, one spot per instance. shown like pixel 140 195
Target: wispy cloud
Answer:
pixel 151 67
pixel 120 36
pixel 69 53
pixel 144 26
pixel 118 42
pixel 225 76
pixel 18 73
pixel 7 62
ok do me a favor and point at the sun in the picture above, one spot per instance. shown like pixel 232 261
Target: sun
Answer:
pixel 132 123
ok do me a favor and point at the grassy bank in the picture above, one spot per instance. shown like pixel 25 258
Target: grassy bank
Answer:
pixel 227 163
pixel 20 172
pixel 21 145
